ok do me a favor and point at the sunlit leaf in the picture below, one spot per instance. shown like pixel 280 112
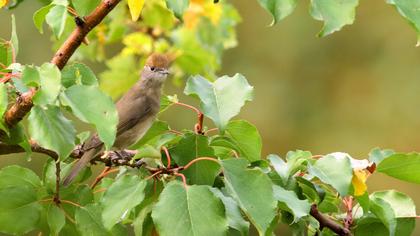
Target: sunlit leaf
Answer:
pixel 135 7
pixel 84 7
pixel 334 13
pixel 402 166
pixel 222 99
pixel 39 17
pixel 279 9
pixel 409 9
pixel 50 84
pixel 334 171
pixel 359 182
pixel 56 19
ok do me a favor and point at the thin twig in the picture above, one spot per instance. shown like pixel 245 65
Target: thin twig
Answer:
pixel 57 182
pixel 71 203
pixel 107 170
pixel 168 157
pixel 184 180
pixel 199 159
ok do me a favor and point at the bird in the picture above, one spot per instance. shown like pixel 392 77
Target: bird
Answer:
pixel 137 110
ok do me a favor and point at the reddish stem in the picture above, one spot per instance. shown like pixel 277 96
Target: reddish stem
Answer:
pixel 200 117
pixel 175 132
pixel 168 157
pixel 200 159
pixel 154 174
pixel 107 170
pixel 184 180
pixel 211 130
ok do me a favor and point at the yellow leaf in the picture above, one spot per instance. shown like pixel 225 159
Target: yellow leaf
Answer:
pixel 3 3
pixel 359 182
pixel 198 9
pixel 135 8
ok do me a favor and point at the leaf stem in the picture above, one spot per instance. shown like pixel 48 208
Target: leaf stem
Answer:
pixel 200 159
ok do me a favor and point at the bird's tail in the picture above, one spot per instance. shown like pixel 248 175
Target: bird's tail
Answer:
pixel 86 158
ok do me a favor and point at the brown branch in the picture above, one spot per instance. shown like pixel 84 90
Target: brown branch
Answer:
pixel 325 221
pixel 24 103
pixel 57 182
pixel 111 158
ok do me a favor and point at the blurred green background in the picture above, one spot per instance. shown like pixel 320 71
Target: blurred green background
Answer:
pixel 352 91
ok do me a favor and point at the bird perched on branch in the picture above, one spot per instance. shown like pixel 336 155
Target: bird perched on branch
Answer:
pixel 137 110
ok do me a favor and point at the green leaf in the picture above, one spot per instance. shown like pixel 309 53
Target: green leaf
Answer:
pixel 39 17
pixel 49 174
pixel 308 189
pixel 19 210
pixel 90 105
pixel 6 55
pixel 122 196
pixel 291 203
pixel 402 166
pixel 334 171
pixel 189 212
pixel 190 147
pixel 335 14
pixel 409 9
pixel 84 7
pixel 3 99
pixel 377 155
pixel 18 176
pixel 14 39
pixel 158 128
pixel 55 219
pixel 383 210
pixel 373 227
pixel 78 73
pixel 233 212
pixel 242 184
pixel 222 99
pixel 279 9
pixel 401 204
pixel 177 6
pixel 17 136
pixel 30 76
pixel 56 19
pixel 243 137
pixel 50 83
pixel 50 129
pixel 89 221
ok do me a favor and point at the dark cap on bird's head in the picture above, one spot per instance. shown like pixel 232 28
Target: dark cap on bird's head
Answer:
pixel 158 60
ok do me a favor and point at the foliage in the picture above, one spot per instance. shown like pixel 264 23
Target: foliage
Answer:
pixel 190 182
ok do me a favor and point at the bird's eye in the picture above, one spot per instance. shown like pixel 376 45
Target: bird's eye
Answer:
pixel 152 68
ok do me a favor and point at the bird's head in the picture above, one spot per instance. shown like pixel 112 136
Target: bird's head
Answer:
pixel 156 68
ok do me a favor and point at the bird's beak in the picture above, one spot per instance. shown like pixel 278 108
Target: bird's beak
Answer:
pixel 165 72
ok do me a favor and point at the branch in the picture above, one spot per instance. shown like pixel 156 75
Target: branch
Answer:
pixel 324 221
pixel 24 103
pixel 110 158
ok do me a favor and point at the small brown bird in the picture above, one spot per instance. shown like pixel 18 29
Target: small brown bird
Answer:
pixel 137 110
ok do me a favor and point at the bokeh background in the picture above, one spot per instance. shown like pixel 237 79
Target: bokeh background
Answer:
pixel 352 91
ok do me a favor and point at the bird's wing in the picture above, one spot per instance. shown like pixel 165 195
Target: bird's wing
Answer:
pixel 132 113
pixel 93 142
